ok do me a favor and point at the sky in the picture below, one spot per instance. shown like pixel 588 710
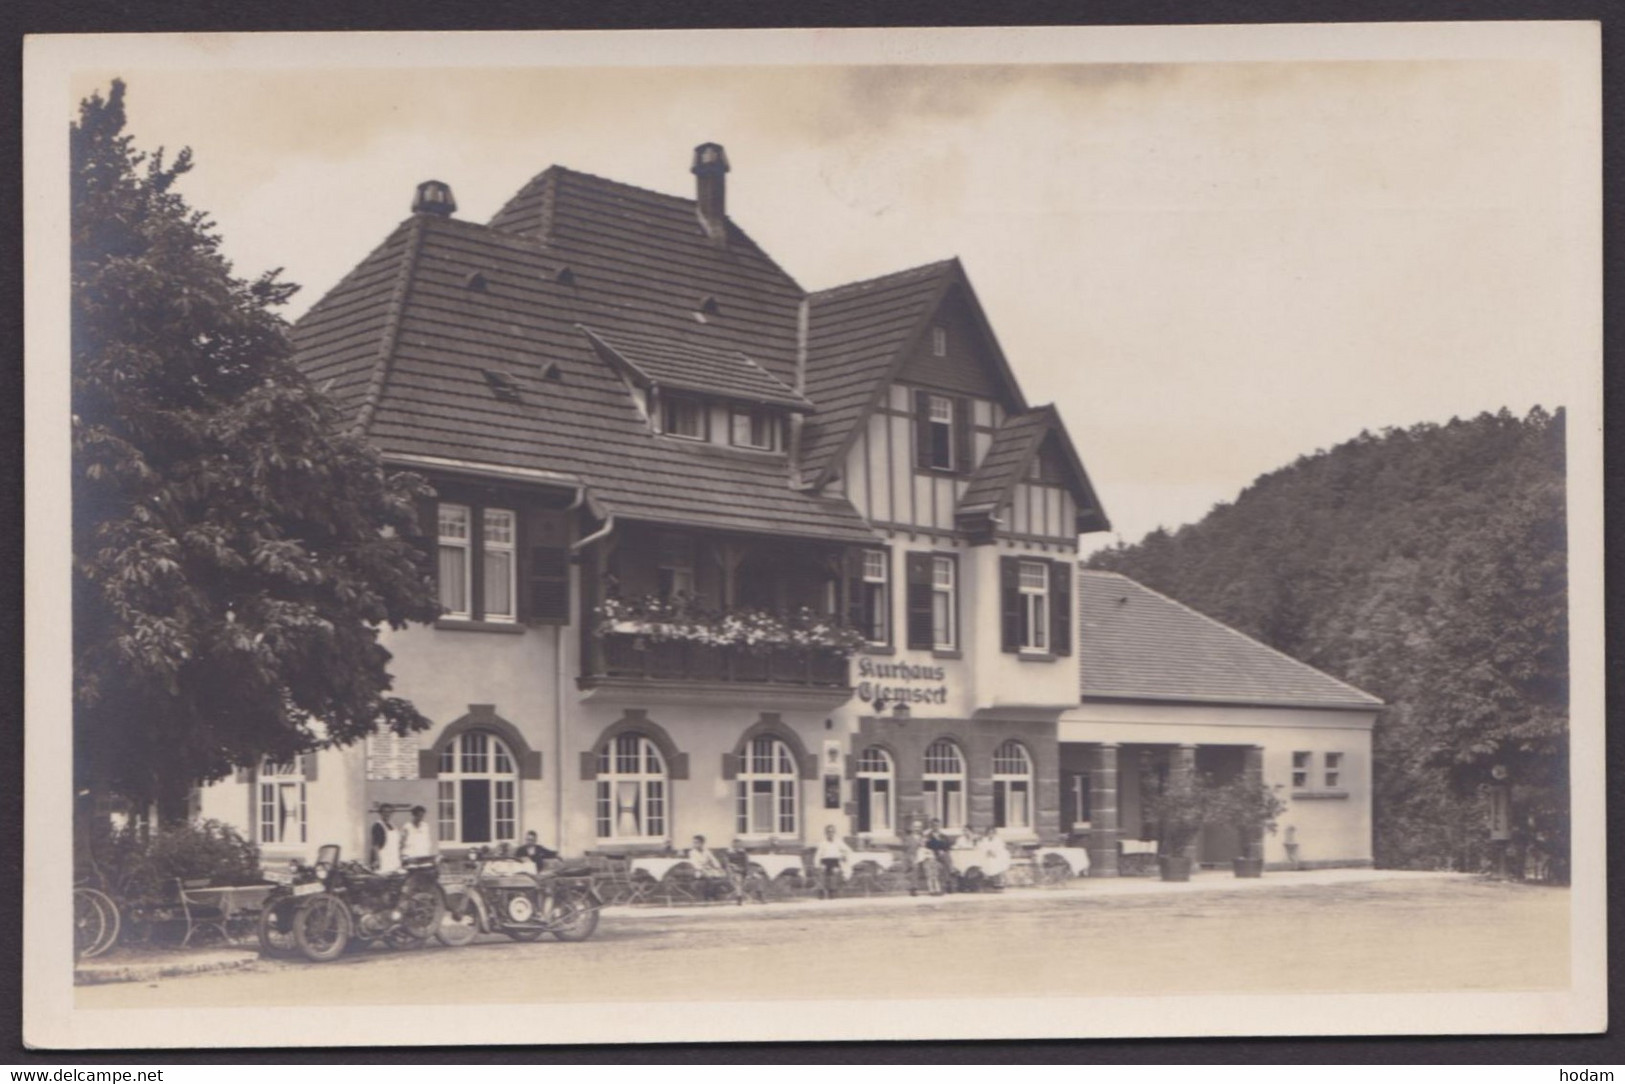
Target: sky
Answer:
pixel 1211 268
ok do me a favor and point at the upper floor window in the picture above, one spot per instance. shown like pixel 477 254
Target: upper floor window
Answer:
pixel 872 611
pixel 674 565
pixel 942 432
pixel 944 623
pixel 1035 606
pixel 1300 769
pixel 492 550
pixel 684 418
pixel 756 429
pixel 939 342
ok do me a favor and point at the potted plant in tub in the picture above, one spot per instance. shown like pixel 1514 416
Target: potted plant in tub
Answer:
pixel 1251 807
pixel 1180 810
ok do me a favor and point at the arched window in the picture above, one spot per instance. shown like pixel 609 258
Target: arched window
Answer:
pixel 281 801
pixel 767 790
pixel 1012 786
pixel 631 800
pixel 877 793
pixel 478 790
pixel 944 783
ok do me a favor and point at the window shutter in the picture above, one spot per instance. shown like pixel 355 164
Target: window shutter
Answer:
pixel 922 429
pixel 589 766
pixel 1060 607
pixel 964 455
pixel 919 601
pixel 1010 603
pixel 308 765
pixel 730 766
pixel 547 568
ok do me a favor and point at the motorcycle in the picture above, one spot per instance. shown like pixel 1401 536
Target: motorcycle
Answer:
pixel 335 903
pixel 501 895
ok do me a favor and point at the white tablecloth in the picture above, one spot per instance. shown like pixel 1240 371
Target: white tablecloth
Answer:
pixel 775 864
pixel 991 865
pixel 1076 858
pixel 657 867
pixel 1137 846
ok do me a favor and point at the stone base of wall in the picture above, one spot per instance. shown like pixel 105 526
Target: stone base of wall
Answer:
pixel 1324 863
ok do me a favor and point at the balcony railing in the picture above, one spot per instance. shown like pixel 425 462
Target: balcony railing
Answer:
pixel 629 655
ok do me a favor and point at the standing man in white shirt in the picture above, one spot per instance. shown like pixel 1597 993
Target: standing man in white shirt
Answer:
pixel 386 841
pixel 831 861
pixel 417 839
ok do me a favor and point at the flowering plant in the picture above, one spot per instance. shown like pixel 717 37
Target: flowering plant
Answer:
pixel 678 619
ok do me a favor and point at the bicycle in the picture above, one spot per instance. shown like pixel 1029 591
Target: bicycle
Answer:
pixel 96 922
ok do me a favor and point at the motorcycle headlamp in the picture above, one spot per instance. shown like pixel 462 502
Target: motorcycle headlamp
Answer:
pixel 321 873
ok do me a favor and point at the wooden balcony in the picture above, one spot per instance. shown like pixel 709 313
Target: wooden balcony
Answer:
pixel 621 665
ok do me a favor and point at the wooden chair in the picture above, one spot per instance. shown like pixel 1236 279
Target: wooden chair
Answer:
pixel 199 913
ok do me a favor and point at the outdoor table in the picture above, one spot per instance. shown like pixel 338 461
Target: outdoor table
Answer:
pixel 775 864
pixel 1076 858
pixel 657 868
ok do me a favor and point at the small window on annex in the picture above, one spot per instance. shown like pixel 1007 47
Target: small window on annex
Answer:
pixel 876 792
pixel 1334 770
pixel 631 790
pixel 944 784
pixel 478 789
pixel 1300 769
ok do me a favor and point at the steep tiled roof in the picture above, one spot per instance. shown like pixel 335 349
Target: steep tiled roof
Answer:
pixel 685 367
pixel 1013 447
pixel 855 335
pixel 1140 645
pixel 415 332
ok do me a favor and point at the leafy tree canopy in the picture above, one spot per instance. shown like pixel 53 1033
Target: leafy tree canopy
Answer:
pixel 235 552
pixel 1428 566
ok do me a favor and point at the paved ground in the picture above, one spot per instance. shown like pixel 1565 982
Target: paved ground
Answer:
pixel 1344 931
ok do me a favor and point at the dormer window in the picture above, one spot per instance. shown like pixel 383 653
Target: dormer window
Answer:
pixel 757 429
pixel 685 418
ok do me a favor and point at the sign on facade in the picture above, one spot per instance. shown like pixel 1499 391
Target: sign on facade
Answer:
pixel 392 756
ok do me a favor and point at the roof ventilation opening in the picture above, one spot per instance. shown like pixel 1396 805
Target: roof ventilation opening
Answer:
pixel 708 308
pixel 503 386
pixel 434 198
pixel 564 276
pixel 477 282
pixel 553 372
pixel 710 170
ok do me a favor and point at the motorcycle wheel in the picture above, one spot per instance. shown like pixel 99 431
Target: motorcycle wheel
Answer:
pixel 461 924
pixel 573 918
pixel 276 929
pixel 426 910
pixel 321 928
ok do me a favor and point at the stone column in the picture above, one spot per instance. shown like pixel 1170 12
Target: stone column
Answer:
pixel 1252 770
pixel 1104 832
pixel 1183 765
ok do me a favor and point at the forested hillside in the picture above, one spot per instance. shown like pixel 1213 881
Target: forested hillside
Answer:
pixel 1427 566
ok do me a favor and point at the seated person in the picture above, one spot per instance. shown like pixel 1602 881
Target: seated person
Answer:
pixel 709 866
pixel 533 852
pixel 831 861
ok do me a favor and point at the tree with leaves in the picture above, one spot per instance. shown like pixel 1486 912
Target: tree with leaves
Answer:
pixel 235 553
pixel 1429 566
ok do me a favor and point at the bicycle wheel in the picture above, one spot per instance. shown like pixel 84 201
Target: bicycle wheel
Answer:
pixel 95 922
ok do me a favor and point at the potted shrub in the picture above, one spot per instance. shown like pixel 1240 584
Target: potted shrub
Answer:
pixel 1180 811
pixel 1251 807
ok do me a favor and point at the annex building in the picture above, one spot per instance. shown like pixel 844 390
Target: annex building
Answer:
pixel 718 555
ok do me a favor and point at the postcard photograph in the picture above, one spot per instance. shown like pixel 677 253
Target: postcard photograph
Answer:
pixel 559 538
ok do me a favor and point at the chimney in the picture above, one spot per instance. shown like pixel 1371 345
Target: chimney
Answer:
pixel 434 198
pixel 711 190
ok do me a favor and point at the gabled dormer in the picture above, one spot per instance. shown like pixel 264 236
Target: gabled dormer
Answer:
pixel 1030 486
pixel 702 395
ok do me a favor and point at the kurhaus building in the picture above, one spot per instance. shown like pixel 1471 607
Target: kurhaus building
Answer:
pixel 717 555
